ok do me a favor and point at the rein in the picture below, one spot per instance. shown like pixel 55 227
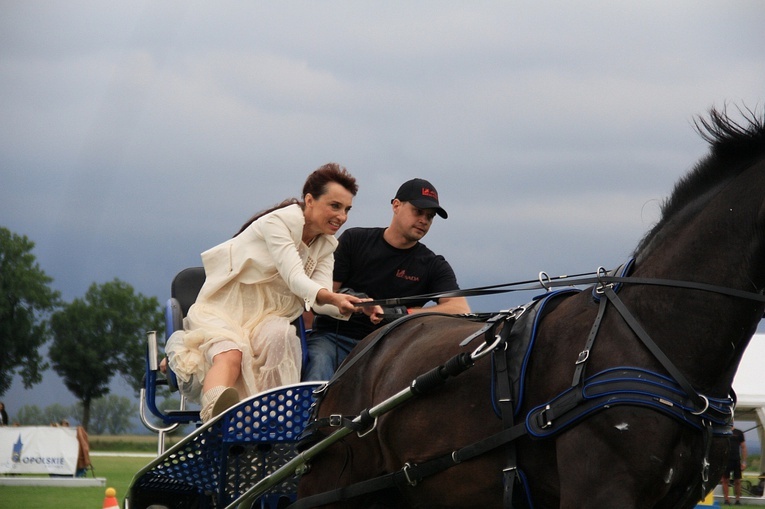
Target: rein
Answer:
pixel 546 283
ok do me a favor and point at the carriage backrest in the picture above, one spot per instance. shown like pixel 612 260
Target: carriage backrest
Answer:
pixel 183 293
pixel 186 285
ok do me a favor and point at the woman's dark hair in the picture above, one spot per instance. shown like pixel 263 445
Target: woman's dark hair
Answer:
pixel 315 185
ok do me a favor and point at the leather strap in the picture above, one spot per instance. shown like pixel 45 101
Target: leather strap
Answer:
pixel 584 355
pixel 507 411
pixel 675 373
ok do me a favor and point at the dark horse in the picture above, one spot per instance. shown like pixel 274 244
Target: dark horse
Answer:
pixel 712 231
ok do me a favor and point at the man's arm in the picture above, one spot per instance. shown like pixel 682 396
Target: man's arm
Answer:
pixel 450 305
pixel 743 455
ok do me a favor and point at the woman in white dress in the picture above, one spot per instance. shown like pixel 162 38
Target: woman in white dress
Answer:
pixel 238 339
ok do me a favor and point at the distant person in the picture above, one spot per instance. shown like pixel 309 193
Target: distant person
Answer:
pixel 736 464
pixel 238 339
pixel 3 415
pixel 83 452
pixel 385 263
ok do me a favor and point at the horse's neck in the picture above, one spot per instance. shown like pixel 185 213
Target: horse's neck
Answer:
pixel 716 240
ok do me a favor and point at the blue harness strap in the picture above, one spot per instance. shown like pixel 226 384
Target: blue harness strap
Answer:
pixel 626 386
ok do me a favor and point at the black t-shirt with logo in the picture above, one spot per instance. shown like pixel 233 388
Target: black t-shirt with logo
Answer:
pixel 365 262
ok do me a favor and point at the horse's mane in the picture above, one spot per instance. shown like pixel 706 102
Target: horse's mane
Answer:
pixel 734 146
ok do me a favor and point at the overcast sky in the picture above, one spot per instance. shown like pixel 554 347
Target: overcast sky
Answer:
pixel 137 134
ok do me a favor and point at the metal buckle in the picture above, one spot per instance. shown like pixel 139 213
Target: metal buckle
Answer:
pixel 485 348
pixel 409 480
pixel 543 417
pixel 600 273
pixel 362 434
pixel 335 420
pixel 706 406
pixel 544 280
pixel 320 390
pixel 705 470
pixel 583 356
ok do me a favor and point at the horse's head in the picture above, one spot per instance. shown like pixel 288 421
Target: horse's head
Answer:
pixel 713 223
pixel 712 231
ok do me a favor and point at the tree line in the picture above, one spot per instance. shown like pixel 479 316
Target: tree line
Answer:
pixel 91 339
pixel 109 415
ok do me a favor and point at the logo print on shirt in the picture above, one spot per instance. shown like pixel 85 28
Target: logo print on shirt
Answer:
pixel 403 275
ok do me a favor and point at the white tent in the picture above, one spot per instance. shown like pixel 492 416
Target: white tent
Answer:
pixel 749 385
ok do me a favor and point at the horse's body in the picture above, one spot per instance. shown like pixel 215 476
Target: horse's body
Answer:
pixel 712 231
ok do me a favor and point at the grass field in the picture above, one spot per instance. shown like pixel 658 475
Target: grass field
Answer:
pixel 118 471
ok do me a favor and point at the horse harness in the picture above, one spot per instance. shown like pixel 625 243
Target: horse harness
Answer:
pixel 510 336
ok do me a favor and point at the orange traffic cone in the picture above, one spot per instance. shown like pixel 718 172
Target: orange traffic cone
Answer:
pixel 110 500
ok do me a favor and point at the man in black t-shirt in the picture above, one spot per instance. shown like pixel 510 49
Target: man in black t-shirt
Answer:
pixel 384 263
pixel 736 463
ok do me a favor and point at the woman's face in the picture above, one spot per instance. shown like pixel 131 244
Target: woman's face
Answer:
pixel 327 213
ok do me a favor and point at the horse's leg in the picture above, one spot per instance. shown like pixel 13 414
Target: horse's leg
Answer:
pixel 344 463
pixel 538 463
pixel 627 458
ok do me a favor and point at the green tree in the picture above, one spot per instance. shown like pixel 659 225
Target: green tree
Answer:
pixel 58 412
pixel 101 335
pixel 31 415
pixel 111 415
pixel 25 301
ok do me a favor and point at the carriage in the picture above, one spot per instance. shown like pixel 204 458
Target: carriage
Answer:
pixel 618 395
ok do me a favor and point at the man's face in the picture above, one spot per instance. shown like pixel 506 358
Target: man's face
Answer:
pixel 412 222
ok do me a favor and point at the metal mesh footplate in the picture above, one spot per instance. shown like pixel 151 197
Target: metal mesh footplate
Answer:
pixel 221 460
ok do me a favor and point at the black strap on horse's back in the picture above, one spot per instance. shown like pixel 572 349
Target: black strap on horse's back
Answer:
pixel 505 403
pixel 584 355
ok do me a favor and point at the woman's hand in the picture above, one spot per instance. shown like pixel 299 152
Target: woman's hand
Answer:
pixel 346 303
